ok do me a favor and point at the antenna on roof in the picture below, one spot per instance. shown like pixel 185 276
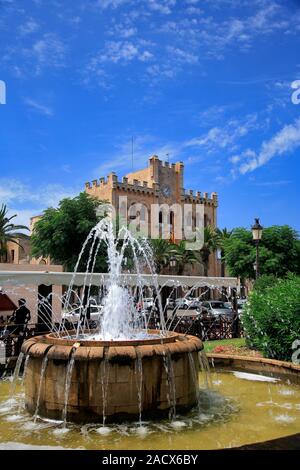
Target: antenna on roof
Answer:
pixel 132 151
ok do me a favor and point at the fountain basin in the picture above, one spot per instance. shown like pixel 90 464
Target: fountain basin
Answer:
pixel 111 380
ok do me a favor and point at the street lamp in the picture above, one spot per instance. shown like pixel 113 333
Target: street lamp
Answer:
pixel 173 262
pixel 257 234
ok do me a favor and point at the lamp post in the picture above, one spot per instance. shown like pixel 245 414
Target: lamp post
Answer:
pixel 171 292
pixel 173 262
pixel 256 234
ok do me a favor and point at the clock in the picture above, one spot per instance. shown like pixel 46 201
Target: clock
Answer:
pixel 166 191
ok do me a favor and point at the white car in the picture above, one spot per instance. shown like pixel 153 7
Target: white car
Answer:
pixel 187 303
pixel 148 303
pixel 73 316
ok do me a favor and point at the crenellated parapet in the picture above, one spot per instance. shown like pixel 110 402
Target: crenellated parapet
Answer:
pixel 144 187
pixel 112 182
pixel 196 197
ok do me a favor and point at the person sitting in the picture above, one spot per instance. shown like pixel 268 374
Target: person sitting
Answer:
pixel 20 317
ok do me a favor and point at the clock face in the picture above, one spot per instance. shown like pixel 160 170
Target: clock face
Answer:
pixel 166 191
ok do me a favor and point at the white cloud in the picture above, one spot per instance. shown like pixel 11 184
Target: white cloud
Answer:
pixel 284 141
pixel 122 51
pixel 127 32
pixel 111 3
pixel 27 201
pixel 182 55
pixel 14 192
pixel 49 51
pixel 215 35
pixel 33 54
pixel 161 6
pixel 40 108
pixel 29 27
pixel 225 137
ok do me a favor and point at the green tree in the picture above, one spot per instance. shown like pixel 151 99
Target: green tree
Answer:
pixel 183 256
pixel 211 243
pixel 61 232
pixel 162 251
pixel 279 252
pixel 223 234
pixel 9 232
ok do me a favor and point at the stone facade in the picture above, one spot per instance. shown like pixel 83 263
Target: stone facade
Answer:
pixel 20 252
pixel 159 183
pixel 30 292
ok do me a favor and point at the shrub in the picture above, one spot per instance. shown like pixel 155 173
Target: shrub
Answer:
pixel 271 318
pixel 264 282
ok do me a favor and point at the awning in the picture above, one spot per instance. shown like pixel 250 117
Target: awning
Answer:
pixel 18 278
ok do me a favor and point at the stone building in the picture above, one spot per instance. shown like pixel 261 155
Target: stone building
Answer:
pixel 17 259
pixel 158 184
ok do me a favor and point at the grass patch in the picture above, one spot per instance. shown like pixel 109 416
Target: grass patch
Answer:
pixel 236 342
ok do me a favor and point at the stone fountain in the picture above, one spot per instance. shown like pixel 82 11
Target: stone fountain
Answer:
pixel 111 380
pixel 121 370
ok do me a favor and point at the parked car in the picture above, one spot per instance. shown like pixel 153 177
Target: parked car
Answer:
pixel 216 307
pixel 187 303
pixel 194 302
pixel 73 315
pixel 228 304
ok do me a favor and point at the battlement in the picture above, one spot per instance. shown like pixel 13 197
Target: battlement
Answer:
pixel 111 181
pixel 151 180
pixel 197 197
pixel 155 161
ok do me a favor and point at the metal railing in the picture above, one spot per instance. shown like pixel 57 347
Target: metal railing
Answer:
pixel 205 328
pixel 12 337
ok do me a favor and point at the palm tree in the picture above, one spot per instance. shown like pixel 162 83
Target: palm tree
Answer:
pixel 9 231
pixel 162 252
pixel 210 245
pixel 183 256
pixel 224 235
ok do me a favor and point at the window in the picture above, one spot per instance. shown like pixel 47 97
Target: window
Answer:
pixel 12 255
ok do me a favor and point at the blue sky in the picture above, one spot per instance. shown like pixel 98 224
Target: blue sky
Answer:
pixel 207 82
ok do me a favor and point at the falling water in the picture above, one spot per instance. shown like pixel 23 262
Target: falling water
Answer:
pixel 16 374
pixel 104 370
pixel 195 377
pixel 25 368
pixel 139 383
pixel 69 372
pixel 43 370
pixel 204 364
pixel 22 403
pixel 171 396
pixel 119 316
